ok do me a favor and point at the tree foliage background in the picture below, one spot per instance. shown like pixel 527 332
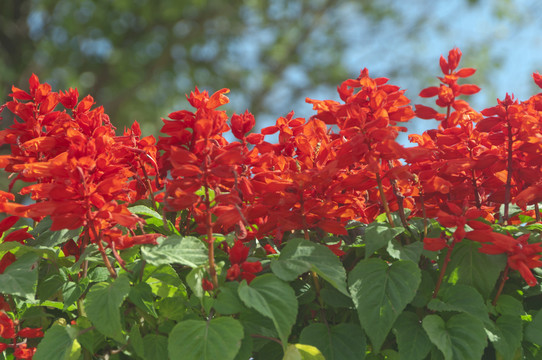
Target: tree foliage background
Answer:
pixel 139 57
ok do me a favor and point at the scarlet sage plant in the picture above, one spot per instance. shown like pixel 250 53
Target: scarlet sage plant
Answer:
pixel 335 242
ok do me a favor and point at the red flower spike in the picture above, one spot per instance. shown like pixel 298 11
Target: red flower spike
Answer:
pixel 233 272
pixel 242 124
pixel 425 112
pixel 206 285
pixel 454 56
pixel 465 72
pixel 30 333
pixel 8 223
pixel 336 248
pixel 434 244
pixel 444 65
pixel 269 249
pixel 7 329
pixel 238 253
pixel 429 92
pixel 6 261
pixel 19 236
pixel 4 306
pixel 69 98
pixel 537 79
pixel 23 352
pixel 522 256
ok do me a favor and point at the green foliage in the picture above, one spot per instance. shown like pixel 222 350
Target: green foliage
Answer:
pixel 59 343
pixel 301 256
pixel 189 251
pixel 342 341
pixel 206 340
pixel 102 306
pixel 460 337
pixel 21 277
pixel 274 299
pixel 380 293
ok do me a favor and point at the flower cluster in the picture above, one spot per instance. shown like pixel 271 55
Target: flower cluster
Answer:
pixel 8 331
pixel 81 173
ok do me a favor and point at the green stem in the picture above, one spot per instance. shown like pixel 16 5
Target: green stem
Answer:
pixel 383 198
pixel 209 226
pixel 508 187
pixel 504 277
pixel 443 270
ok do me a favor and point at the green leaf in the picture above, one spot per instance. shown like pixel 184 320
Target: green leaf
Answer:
pixel 338 342
pixel 102 305
pixel 156 347
pixel 509 333
pixel 50 285
pixel 274 299
pixel 508 305
pixel 377 235
pixel 468 266
pixel 144 210
pixel 227 301
pixel 411 337
pixel 59 343
pixel 21 277
pixel 533 331
pixel 45 238
pixel 461 298
pixel 380 293
pixel 247 345
pixel 302 352
pixel 71 291
pixel 173 308
pixel 410 252
pixel 194 280
pixel 89 337
pixel 255 323
pixel 461 337
pixel 425 290
pixel 300 256
pixel 136 342
pixel 334 298
pixel 141 296
pixel 218 338
pixel 189 251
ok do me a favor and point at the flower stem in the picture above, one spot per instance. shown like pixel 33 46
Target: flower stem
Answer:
pixel 504 277
pixel 507 195
pixel 383 198
pixel 443 270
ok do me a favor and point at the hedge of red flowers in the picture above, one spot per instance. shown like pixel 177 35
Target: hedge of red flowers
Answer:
pixel 335 242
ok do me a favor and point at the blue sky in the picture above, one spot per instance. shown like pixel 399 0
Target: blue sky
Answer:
pixel 505 34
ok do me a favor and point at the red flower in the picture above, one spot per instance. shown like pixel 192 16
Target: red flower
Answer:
pixel 7 329
pixel 4 306
pixel 336 248
pixel 434 244
pixel 238 253
pixel 269 249
pixel 23 352
pixel 30 333
pixel 240 268
pixel 522 256
pixel 6 261
pixel 206 285
pixel 233 272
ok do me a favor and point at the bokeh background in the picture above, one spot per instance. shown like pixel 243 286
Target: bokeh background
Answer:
pixel 139 57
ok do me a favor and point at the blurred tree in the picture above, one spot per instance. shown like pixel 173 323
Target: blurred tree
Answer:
pixel 139 57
